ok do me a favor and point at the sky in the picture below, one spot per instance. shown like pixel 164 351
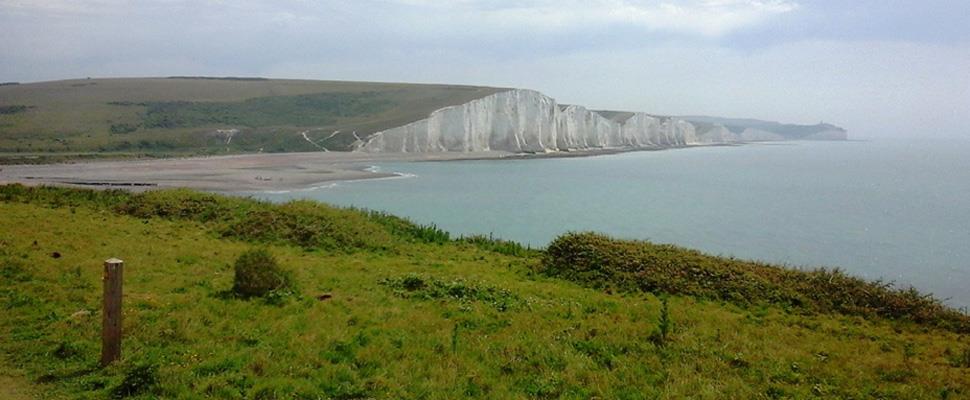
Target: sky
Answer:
pixel 880 68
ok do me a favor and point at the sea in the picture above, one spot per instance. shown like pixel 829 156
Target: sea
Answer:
pixel 894 209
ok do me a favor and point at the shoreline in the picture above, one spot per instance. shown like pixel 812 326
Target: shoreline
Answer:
pixel 273 172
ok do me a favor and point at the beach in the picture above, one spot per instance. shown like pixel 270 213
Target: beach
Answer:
pixel 233 173
pixel 250 172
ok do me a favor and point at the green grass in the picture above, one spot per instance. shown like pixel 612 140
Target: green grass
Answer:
pixel 320 109
pixel 404 317
pixel 182 115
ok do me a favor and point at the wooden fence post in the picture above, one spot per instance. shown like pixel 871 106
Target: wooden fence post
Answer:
pixel 111 320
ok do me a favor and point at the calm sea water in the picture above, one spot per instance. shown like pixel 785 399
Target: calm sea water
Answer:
pixel 896 210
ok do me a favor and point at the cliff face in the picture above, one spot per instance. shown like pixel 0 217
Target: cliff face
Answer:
pixel 527 121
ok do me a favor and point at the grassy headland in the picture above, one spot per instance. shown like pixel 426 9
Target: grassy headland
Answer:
pixel 389 309
pixel 180 116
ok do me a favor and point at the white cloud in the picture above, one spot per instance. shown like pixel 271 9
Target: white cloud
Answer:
pixel 709 18
pixel 625 54
pixel 873 88
pixel 55 6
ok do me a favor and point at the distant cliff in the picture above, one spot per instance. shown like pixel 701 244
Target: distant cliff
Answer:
pixel 750 130
pixel 177 116
pixel 527 121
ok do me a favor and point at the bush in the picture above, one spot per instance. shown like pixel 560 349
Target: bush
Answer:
pixel 14 109
pixel 413 286
pixel 602 262
pixel 123 128
pixel 307 224
pixel 259 275
pixel 140 379
pixel 661 336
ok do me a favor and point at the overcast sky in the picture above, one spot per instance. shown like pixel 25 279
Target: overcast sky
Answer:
pixel 877 67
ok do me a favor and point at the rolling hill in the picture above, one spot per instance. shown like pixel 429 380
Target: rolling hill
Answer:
pixel 201 115
pixel 387 309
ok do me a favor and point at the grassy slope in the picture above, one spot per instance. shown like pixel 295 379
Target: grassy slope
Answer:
pixel 559 341
pixel 75 116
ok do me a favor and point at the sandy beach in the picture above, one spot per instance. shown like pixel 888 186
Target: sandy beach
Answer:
pixel 248 172
pixel 235 173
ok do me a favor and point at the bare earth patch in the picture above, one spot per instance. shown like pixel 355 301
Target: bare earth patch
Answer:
pixel 14 386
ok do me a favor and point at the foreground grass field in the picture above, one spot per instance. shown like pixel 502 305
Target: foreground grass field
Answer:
pixel 409 313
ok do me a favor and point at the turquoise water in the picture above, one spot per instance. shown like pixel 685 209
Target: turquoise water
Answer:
pixel 895 210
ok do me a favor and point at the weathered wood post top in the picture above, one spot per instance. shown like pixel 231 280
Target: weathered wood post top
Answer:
pixel 111 321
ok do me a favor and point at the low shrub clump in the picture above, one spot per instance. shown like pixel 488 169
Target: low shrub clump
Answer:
pixel 139 380
pixel 306 224
pixel 500 246
pixel 428 288
pixel 257 274
pixel 14 109
pixel 603 262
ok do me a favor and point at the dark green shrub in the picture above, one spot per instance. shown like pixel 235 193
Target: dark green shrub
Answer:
pixel 454 338
pixel 14 271
pixel 602 262
pixel 17 108
pixel 67 350
pixel 959 359
pixel 123 128
pixel 428 288
pixel 259 275
pixel 138 380
pixel 664 326
pixel 309 225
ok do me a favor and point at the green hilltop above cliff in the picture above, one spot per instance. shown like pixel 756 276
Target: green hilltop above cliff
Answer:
pixel 200 115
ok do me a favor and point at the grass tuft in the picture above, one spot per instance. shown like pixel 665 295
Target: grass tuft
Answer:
pixel 500 246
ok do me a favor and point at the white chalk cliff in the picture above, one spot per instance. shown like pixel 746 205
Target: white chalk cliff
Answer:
pixel 522 120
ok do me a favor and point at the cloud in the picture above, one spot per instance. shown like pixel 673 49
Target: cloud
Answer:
pixel 871 68
pixel 708 18
pixel 873 88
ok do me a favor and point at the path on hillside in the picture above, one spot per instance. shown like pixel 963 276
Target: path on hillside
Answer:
pixel 307 138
